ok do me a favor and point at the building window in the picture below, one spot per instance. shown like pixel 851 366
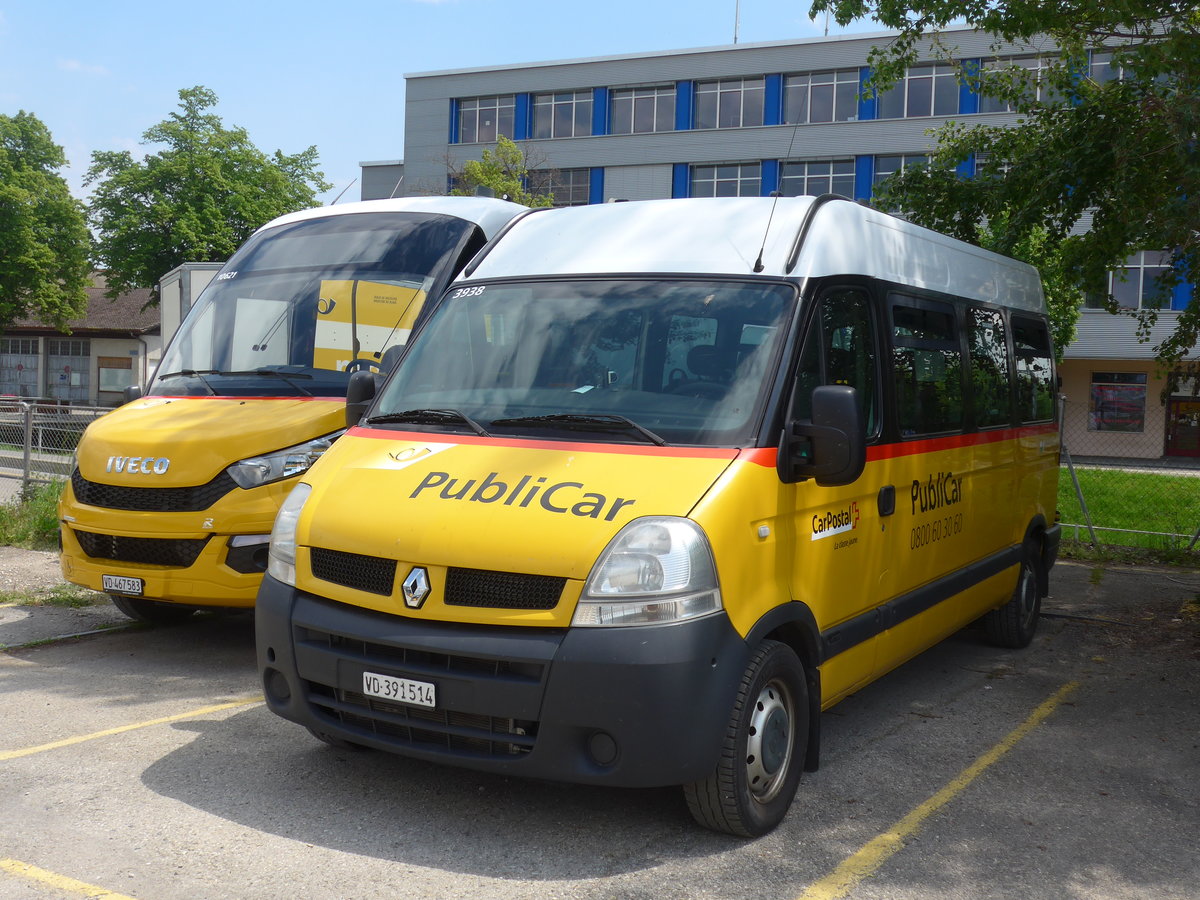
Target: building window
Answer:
pixel 570 187
pixel 19 366
pixel 483 119
pixel 816 177
pixel 116 373
pixel 821 97
pixel 562 115
pixel 68 367
pixel 641 110
pixel 925 90
pixel 735 180
pixel 1135 285
pixel 1117 402
pixel 1036 68
pixel 22 346
pixel 886 166
pixel 729 103
pixel 1103 69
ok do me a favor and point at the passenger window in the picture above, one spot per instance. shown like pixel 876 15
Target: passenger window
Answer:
pixel 692 354
pixel 989 367
pixel 926 367
pixel 1035 370
pixel 840 349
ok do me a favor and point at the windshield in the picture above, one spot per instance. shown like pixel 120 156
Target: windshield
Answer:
pixel 301 306
pixel 676 361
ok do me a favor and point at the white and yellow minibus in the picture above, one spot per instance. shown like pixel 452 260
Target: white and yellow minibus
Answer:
pixel 171 503
pixel 657 482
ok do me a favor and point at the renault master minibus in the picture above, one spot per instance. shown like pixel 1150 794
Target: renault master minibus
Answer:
pixel 656 483
pixel 170 505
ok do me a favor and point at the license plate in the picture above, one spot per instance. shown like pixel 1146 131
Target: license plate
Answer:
pixel 122 584
pixel 401 690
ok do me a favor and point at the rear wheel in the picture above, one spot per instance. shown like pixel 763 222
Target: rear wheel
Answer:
pixel 752 787
pixel 1014 624
pixel 151 611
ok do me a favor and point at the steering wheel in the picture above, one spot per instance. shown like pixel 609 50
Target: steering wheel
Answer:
pixel 703 390
pixel 355 364
pixel 676 377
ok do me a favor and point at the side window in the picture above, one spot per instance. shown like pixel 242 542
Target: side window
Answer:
pixel 926 366
pixel 1035 370
pixel 989 367
pixel 840 349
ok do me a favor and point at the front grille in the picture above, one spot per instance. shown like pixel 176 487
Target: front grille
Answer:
pixel 148 551
pixel 462 732
pixel 502 590
pixel 372 574
pixel 151 499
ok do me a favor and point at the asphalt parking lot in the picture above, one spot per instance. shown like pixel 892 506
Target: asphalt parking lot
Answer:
pixel 139 763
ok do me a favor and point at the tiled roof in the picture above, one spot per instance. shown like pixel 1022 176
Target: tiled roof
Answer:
pixel 124 315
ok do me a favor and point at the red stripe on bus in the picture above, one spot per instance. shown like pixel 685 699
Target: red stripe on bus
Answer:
pixel 578 447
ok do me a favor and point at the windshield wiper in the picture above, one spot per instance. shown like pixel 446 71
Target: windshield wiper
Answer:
pixel 275 373
pixel 578 422
pixel 198 374
pixel 429 417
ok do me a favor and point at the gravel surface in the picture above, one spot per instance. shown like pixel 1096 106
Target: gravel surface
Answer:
pixel 28 570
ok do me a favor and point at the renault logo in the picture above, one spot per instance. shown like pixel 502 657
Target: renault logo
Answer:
pixel 416 588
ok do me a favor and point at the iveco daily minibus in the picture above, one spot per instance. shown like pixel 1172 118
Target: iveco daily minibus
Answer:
pixel 657 482
pixel 171 503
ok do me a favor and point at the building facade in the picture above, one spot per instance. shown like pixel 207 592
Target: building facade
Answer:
pixel 751 119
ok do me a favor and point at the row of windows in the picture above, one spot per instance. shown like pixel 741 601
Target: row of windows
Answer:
pixel 928 89
pixel 54 346
pixel 952 367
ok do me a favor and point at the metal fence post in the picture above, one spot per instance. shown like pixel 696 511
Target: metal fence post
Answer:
pixel 27 446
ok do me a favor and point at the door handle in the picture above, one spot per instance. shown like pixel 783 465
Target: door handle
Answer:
pixel 887 500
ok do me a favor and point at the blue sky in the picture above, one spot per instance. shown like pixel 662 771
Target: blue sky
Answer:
pixel 300 73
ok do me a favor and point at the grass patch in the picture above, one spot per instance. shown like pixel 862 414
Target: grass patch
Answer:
pixel 68 596
pixel 1137 501
pixel 32 523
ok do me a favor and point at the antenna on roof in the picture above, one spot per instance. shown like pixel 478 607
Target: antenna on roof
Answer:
pixel 396 188
pixel 346 188
pixel 737 18
pixel 758 263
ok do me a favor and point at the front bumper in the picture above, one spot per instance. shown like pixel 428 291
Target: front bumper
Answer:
pixel 630 707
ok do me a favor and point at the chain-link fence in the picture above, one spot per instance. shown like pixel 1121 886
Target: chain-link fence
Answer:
pixel 1118 487
pixel 38 438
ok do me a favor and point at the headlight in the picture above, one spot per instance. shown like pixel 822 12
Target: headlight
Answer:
pixel 281 561
pixel 259 470
pixel 655 571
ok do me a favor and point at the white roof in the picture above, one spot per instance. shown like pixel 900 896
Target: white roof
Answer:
pixel 725 236
pixel 489 214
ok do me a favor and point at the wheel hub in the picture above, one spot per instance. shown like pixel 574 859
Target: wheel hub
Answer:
pixel 769 743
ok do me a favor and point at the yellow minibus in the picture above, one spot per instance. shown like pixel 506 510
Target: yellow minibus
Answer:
pixel 656 483
pixel 170 505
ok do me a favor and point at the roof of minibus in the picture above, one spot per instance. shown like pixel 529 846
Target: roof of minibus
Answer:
pixel 724 236
pixel 489 214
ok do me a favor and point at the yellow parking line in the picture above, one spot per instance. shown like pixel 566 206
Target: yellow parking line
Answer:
pixel 165 720
pixel 59 882
pixel 876 852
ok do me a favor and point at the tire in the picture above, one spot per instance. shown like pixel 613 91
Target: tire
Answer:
pixel 1014 624
pixel 762 755
pixel 151 611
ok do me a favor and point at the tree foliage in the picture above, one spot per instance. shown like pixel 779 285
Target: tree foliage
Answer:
pixel 1122 149
pixel 196 200
pixel 507 172
pixel 44 264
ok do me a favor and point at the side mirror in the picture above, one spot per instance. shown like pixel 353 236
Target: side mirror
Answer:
pixel 359 394
pixel 132 392
pixel 832 448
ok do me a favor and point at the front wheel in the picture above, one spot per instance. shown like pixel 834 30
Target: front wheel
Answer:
pixel 151 611
pixel 752 787
pixel 1013 624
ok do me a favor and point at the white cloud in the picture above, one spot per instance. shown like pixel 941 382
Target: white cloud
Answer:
pixel 74 65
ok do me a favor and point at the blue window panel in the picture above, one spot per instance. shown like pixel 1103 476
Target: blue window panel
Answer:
pixel 599 115
pixel 680 180
pixel 770 176
pixel 1181 294
pixel 966 168
pixel 867 106
pixel 968 100
pixel 685 93
pixel 453 121
pixel 773 100
pixel 596 185
pixel 523 117
pixel 864 177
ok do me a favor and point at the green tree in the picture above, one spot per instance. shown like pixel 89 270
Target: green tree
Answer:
pixel 196 200
pixel 44 264
pixel 507 172
pixel 1116 142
